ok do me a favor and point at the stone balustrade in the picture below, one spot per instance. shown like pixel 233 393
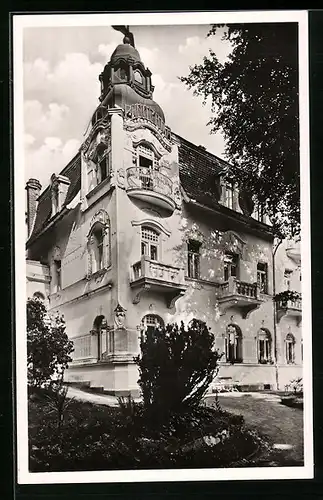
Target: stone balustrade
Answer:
pixel 147 268
pixel 240 288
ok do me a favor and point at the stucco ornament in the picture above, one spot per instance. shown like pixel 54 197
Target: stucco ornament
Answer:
pixel 233 242
pixel 177 194
pixel 195 234
pixel 121 177
pixel 119 317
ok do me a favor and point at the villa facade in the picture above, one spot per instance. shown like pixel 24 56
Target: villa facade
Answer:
pixel 145 228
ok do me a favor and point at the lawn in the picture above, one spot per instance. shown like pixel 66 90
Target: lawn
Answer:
pixel 281 424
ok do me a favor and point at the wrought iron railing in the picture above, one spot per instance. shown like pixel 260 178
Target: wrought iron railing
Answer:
pixel 149 180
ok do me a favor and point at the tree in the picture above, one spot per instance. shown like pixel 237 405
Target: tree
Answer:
pixel 48 347
pixel 176 367
pixel 254 96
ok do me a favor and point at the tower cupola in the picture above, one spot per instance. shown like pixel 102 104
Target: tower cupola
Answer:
pixel 125 80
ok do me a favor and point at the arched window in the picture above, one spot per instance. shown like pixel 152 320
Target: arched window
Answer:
pixel 290 348
pixel 150 322
pixel 99 247
pixel 104 341
pixel 150 242
pixel 264 346
pixel 233 344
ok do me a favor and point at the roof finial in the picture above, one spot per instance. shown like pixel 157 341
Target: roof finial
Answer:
pixel 128 36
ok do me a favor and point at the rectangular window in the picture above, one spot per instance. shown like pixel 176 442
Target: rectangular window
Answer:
pixel 149 243
pixel 229 195
pixel 103 169
pixel 193 250
pixel 287 278
pixel 231 262
pixel 262 277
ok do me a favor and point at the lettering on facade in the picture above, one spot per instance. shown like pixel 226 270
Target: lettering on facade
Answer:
pixel 147 113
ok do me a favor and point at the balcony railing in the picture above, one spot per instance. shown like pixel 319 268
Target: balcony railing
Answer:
pixel 148 274
pixel 236 287
pixel 290 308
pixel 236 293
pixel 83 347
pixel 150 185
pixel 290 304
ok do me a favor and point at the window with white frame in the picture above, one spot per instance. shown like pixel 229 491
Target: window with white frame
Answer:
pixel 231 266
pixel 145 157
pixel 193 258
pixel 264 346
pixel 228 194
pixel 150 243
pixel 262 277
pixel 290 348
pixel 151 322
pixel 233 344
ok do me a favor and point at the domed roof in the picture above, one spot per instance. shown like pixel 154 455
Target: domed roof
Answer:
pixel 125 51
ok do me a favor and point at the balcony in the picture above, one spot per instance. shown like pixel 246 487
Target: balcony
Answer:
pixel 151 186
pixel 149 275
pixel 235 293
pixel 291 308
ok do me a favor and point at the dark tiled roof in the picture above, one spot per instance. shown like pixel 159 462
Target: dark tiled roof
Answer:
pixel 200 172
pixel 73 172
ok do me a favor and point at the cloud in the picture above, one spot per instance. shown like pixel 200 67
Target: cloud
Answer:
pixel 51 157
pixel 29 140
pixel 70 87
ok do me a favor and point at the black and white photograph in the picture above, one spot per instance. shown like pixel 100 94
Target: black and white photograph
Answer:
pixel 162 247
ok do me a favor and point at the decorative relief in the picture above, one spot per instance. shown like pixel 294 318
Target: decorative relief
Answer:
pixel 100 216
pixel 156 135
pixel 121 177
pixel 119 317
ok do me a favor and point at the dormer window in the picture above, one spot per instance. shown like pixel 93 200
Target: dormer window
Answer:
pixel 228 194
pixel 59 189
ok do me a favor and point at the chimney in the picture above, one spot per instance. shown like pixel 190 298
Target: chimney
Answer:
pixel 33 187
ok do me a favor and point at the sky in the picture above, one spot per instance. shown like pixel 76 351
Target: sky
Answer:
pixel 61 86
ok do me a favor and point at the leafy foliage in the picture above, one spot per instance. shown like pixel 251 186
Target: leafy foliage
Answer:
pixel 93 437
pixel 287 295
pixel 254 96
pixel 48 347
pixel 176 367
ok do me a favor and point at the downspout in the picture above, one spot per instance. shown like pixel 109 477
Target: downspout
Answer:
pixel 275 311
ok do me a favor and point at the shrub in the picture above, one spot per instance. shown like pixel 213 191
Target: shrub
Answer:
pixel 48 347
pixel 176 367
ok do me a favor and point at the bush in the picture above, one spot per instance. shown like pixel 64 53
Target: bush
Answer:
pixel 176 367
pixel 48 347
pixel 93 437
